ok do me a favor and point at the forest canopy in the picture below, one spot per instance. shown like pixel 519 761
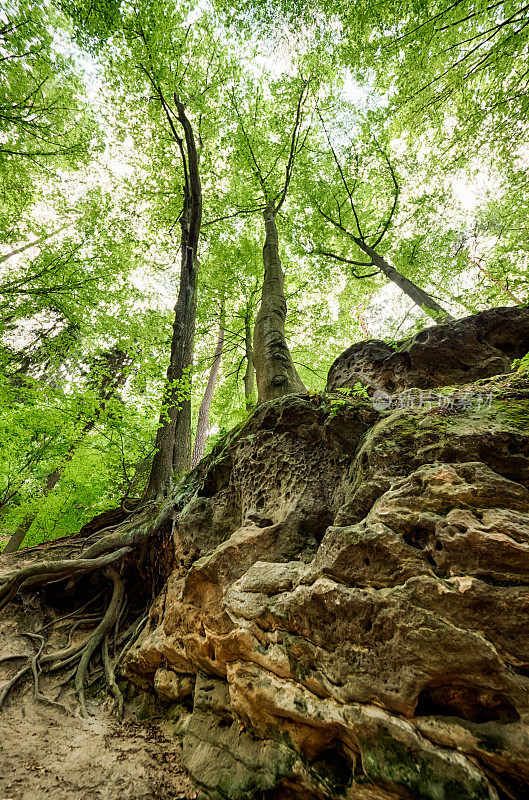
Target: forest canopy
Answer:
pixel 204 203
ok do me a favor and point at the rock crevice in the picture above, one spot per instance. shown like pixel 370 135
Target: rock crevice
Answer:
pixel 348 615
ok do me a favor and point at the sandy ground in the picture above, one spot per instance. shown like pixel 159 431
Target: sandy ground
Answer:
pixel 45 753
pixel 50 753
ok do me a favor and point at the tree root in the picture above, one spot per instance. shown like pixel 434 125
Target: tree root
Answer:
pixel 119 554
pixel 111 678
pixel 48 571
pixel 11 683
pixel 99 635
pixel 81 653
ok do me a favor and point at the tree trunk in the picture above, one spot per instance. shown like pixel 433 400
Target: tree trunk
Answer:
pixel 249 374
pixel 275 370
pixel 51 482
pixel 25 247
pixel 419 296
pixel 173 438
pixel 203 413
pixel 109 386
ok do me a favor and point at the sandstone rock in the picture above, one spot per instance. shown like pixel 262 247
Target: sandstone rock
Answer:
pixel 352 595
pixel 171 687
pixel 457 352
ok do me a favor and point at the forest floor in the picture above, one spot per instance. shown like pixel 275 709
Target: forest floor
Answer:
pixel 45 753
pixel 48 751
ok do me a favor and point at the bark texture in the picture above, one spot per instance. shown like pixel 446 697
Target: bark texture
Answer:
pixel 275 370
pixel 203 412
pixel 249 373
pixel 173 438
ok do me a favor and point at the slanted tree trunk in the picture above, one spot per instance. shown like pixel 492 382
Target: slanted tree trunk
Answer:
pixel 203 413
pixel 249 374
pixel 117 361
pixel 275 370
pixel 173 438
pixel 418 295
pixel 28 246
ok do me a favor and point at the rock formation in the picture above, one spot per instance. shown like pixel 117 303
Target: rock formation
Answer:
pixel 458 352
pixel 348 615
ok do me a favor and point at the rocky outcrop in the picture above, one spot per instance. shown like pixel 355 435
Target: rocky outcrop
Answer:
pixel 454 353
pixel 348 615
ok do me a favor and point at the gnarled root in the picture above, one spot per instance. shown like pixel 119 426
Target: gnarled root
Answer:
pixel 123 553
pixel 99 636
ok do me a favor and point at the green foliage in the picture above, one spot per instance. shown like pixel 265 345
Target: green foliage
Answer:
pixel 404 104
pixel 521 364
pixel 45 123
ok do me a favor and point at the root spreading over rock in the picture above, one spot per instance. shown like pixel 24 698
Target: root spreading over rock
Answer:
pixel 334 603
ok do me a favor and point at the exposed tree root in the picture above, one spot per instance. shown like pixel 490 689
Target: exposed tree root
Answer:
pixel 122 555
pixel 111 678
pixel 55 570
pixel 99 636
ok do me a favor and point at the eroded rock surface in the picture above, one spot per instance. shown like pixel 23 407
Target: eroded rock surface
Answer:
pixel 457 352
pixel 349 613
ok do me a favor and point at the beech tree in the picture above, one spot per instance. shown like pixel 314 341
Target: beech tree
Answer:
pixel 275 371
pixel 173 439
pixel 205 405
pixel 208 146
pixel 171 63
pixel 350 222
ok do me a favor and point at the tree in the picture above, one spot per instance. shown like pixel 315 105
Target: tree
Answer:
pixel 173 439
pixel 450 79
pixel 109 374
pixel 356 225
pixel 22 249
pixel 249 372
pixel 231 267
pixel 275 371
pixel 465 60
pixel 44 120
pixel 205 405
pixel 153 51
pixel 205 141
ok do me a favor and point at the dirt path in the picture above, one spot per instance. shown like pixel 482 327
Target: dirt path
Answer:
pixel 47 754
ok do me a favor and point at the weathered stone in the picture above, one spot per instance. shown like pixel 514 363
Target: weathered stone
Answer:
pixel 457 352
pixel 352 593
pixel 171 687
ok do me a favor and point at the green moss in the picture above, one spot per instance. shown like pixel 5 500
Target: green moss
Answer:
pixel 514 412
pixel 428 778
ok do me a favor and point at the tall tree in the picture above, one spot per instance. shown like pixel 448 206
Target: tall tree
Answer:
pixel 351 223
pixel 173 439
pixel 167 61
pixel 109 373
pixel 275 370
pixel 249 372
pixel 205 405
